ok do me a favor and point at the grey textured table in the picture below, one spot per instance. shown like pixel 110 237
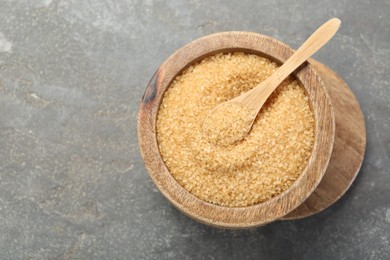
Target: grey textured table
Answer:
pixel 72 183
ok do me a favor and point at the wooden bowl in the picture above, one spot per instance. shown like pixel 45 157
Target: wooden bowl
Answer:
pixel 235 217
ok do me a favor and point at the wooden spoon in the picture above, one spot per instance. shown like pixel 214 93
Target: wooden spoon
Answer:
pixel 232 120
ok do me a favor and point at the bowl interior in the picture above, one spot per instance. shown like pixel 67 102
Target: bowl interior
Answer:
pixel 237 217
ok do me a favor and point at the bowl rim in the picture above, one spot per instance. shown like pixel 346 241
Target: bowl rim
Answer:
pixel 222 216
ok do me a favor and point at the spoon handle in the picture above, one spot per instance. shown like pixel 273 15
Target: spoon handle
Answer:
pixel 318 39
pixel 255 98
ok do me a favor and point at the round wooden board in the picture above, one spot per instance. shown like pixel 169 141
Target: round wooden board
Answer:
pixel 348 150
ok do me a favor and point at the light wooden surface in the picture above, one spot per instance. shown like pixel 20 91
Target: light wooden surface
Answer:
pixel 348 149
pixel 215 215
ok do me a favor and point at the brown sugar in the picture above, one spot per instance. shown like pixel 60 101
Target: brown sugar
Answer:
pixel 240 172
pixel 227 124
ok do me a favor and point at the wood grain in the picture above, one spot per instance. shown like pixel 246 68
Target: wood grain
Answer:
pixel 348 149
pixel 228 217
